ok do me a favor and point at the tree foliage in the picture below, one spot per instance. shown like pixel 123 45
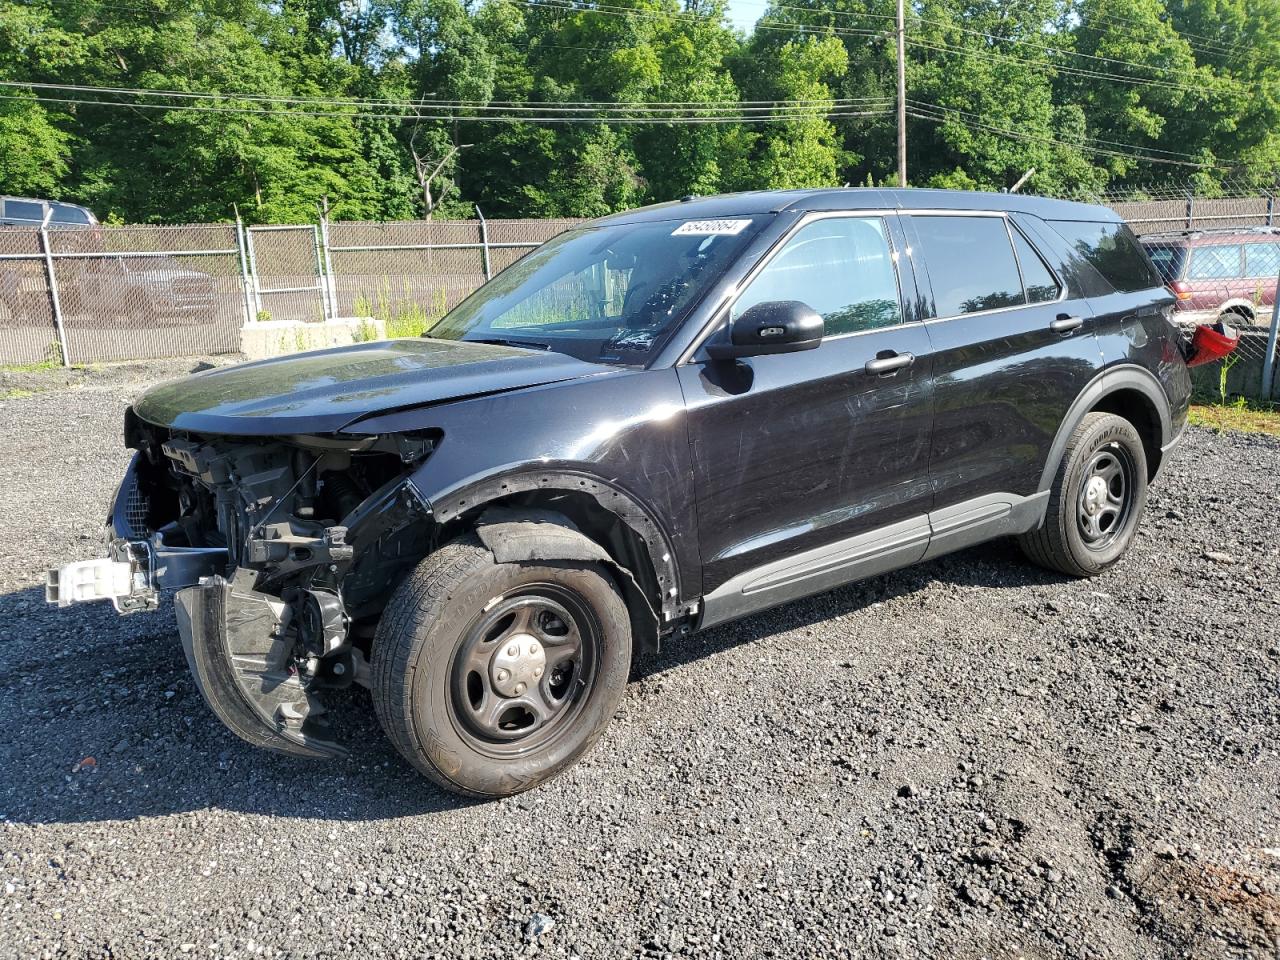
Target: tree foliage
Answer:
pixel 389 109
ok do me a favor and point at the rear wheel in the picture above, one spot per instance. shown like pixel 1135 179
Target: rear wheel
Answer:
pixel 493 677
pixel 1096 500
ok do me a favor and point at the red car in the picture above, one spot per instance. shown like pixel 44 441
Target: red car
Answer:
pixel 1228 273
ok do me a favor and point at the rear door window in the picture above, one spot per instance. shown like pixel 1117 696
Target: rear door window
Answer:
pixel 841 267
pixel 1037 279
pixel 1112 250
pixel 1218 262
pixel 1261 259
pixel 971 264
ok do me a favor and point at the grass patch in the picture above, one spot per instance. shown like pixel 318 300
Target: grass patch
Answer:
pixel 17 393
pixel 1241 416
pixel 401 316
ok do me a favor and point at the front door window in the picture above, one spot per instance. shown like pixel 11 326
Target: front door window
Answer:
pixel 842 267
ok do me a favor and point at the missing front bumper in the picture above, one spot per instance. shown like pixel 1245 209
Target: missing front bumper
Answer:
pixel 234 639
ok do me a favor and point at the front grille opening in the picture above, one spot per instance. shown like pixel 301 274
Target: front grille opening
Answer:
pixel 137 510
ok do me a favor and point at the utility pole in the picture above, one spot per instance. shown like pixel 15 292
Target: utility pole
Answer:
pixel 902 97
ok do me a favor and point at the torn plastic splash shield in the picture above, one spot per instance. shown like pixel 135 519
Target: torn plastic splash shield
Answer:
pixel 234 640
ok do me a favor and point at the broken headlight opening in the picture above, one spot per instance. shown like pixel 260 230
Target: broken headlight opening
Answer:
pixel 280 552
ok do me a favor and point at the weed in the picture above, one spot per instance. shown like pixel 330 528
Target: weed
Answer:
pixel 401 316
pixel 1239 416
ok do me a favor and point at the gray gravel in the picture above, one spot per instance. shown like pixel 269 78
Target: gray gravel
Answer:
pixel 972 758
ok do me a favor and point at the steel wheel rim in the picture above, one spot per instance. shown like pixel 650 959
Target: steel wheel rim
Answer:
pixel 524 670
pixel 1105 499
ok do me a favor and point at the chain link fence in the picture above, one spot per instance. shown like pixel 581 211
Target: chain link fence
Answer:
pixel 424 267
pixel 81 295
pixel 76 295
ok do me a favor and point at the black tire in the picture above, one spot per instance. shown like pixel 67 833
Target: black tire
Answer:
pixel 1072 540
pixel 436 628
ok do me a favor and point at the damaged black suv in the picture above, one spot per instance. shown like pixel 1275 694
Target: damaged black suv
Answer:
pixel 652 424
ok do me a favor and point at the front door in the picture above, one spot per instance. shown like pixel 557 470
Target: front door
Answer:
pixel 811 467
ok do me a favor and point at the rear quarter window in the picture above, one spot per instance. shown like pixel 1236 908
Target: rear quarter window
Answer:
pixel 1262 259
pixel 64 213
pixel 1112 250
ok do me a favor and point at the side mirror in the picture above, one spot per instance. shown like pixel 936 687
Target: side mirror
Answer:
pixel 776 326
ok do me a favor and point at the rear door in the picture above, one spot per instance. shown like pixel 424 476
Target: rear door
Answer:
pixel 797 455
pixel 1013 347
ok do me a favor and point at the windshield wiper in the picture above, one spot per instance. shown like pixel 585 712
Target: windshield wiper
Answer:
pixel 509 342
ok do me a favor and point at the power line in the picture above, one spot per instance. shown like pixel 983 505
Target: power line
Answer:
pixel 1043 65
pixel 432 103
pixel 1058 51
pixel 292 112
pixel 919 114
pixel 1120 18
pixel 1115 143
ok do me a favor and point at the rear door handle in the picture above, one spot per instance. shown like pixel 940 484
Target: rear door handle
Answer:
pixel 1066 323
pixel 882 366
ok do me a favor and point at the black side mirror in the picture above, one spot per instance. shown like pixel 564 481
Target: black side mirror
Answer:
pixel 776 326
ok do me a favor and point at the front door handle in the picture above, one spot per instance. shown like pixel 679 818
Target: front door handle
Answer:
pixel 1066 323
pixel 883 366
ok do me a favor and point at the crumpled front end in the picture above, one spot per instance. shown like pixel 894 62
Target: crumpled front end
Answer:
pixel 241 653
pixel 279 552
pixel 140 562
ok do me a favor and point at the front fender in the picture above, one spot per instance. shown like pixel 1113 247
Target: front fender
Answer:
pixel 621 440
pixel 478 493
pixel 523 536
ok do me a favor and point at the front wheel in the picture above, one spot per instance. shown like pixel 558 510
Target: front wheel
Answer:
pixel 1096 500
pixel 493 677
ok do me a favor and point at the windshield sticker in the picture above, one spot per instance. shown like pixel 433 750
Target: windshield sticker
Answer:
pixel 710 228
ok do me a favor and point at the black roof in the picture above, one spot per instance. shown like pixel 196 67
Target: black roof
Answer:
pixel 859 198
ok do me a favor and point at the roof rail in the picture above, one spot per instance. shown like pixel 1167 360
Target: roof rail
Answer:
pixel 1210 232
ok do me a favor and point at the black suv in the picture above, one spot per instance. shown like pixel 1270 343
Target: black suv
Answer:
pixel 651 424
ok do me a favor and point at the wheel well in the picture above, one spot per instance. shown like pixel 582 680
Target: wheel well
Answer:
pixel 626 546
pixel 1240 310
pixel 1137 408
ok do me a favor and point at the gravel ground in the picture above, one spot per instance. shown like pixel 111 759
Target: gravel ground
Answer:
pixel 972 758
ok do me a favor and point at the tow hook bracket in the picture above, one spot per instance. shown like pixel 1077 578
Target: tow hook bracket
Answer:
pixel 236 646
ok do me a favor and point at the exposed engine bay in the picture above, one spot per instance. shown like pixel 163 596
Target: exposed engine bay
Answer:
pixel 260 538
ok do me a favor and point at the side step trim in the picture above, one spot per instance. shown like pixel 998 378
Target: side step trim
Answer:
pixel 873 553
pixel 817 570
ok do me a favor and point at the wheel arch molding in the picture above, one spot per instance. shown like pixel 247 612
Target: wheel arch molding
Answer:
pixel 1129 391
pixel 589 507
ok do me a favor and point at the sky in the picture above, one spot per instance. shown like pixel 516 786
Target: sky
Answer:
pixel 745 13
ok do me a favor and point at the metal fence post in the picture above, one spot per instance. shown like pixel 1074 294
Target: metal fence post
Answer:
pixel 253 271
pixel 484 242
pixel 246 281
pixel 1265 391
pixel 53 289
pixel 1271 209
pixel 1191 208
pixel 320 281
pixel 329 279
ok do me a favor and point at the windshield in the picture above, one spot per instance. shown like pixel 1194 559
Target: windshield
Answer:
pixel 609 294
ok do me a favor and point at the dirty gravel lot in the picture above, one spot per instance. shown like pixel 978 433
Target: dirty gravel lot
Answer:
pixel 972 758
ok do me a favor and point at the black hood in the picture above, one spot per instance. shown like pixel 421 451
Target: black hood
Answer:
pixel 322 391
